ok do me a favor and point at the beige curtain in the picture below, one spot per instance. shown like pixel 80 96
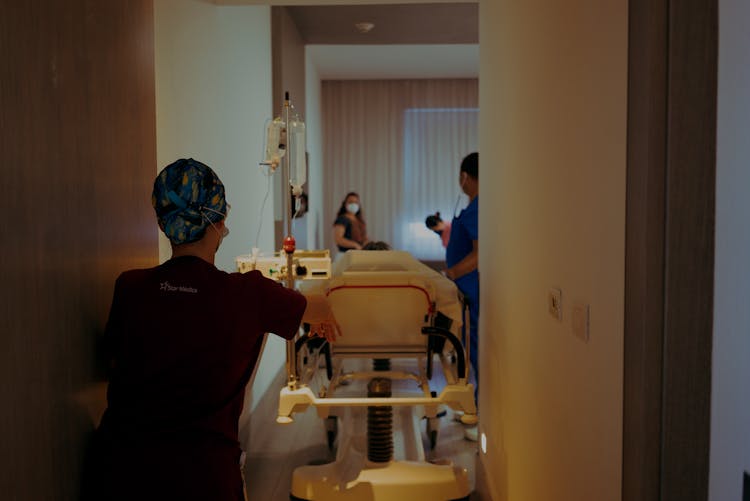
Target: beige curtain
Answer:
pixel 363 147
pixel 435 142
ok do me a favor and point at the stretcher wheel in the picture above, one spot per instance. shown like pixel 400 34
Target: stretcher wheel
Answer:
pixel 332 428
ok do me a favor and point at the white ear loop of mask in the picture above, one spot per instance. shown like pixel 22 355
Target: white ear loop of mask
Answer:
pixel 223 215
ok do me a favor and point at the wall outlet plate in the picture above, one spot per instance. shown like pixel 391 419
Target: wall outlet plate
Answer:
pixel 554 303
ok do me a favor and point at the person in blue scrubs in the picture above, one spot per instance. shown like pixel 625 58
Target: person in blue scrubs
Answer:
pixel 462 254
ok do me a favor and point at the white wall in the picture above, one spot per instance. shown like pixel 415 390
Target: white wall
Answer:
pixel 213 97
pixel 553 100
pixel 730 406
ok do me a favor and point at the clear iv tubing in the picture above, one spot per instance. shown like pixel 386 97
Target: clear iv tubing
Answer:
pixel 268 173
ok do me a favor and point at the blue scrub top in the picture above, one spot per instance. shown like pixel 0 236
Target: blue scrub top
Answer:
pixel 464 230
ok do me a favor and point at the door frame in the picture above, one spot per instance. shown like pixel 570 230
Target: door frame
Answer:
pixel 669 258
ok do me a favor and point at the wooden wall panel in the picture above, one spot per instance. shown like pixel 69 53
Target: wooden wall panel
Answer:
pixel 78 143
pixel 689 271
pixel 645 249
pixel 670 249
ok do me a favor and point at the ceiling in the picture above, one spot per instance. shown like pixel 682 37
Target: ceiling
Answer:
pixel 434 40
pixel 437 23
pixel 409 39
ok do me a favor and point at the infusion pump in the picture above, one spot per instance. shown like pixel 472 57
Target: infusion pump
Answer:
pixel 307 264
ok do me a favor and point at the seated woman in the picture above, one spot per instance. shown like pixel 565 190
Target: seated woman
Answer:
pixel 349 229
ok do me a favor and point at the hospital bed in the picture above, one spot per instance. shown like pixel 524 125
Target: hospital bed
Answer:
pixel 379 370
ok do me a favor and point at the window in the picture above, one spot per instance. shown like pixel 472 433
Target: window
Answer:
pixel 435 142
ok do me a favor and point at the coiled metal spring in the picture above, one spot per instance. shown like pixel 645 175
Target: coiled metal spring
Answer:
pixel 379 423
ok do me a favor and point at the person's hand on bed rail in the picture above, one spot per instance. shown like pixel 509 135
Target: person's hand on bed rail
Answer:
pixel 329 331
pixel 319 315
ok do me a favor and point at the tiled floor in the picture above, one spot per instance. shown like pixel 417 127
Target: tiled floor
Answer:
pixel 276 450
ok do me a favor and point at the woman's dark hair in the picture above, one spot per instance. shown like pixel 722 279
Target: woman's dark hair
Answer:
pixel 432 220
pixel 376 246
pixel 342 209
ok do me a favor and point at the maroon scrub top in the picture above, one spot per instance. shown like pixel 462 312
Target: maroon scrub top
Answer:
pixel 185 337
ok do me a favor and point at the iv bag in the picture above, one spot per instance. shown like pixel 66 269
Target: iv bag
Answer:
pixel 280 138
pixel 297 157
pixel 275 142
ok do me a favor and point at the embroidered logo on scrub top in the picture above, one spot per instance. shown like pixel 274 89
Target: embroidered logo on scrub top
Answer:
pixel 166 286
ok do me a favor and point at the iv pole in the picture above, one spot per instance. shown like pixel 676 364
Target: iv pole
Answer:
pixel 289 242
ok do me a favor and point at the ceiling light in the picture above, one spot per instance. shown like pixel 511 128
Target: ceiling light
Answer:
pixel 364 27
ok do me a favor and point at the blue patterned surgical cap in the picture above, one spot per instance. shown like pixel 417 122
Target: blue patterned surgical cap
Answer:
pixel 185 195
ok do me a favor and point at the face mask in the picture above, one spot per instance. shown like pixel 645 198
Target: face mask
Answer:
pixel 353 208
pixel 224 234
